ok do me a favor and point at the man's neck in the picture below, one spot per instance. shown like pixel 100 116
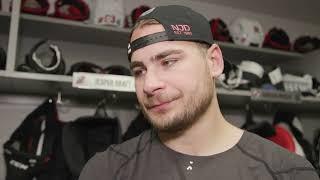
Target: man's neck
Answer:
pixel 210 135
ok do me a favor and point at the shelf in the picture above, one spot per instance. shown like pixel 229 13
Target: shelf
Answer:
pixel 239 98
pixel 310 100
pixel 47 84
pixel 5 22
pixel 237 52
pixel 310 104
pixel 4 14
pixel 32 83
pixel 67 30
pixel 40 77
pixel 233 98
pixel 81 32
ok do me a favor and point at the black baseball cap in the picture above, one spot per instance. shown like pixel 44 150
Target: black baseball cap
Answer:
pixel 180 23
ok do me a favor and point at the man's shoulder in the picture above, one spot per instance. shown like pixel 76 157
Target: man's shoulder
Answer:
pixel 275 157
pixel 113 158
pixel 130 147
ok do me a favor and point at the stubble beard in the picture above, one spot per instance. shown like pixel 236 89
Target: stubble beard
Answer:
pixel 192 109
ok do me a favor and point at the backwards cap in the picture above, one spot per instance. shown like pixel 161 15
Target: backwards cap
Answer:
pixel 180 24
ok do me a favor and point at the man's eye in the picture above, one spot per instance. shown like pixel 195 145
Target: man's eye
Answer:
pixel 137 72
pixel 168 62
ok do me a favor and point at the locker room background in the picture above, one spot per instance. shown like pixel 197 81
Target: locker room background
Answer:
pixel 15 107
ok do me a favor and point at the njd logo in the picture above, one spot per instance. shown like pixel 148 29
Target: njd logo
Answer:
pixel 181 29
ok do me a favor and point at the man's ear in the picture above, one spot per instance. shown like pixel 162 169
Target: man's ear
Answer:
pixel 215 60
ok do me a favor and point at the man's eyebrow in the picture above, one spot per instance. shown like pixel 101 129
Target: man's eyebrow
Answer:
pixel 167 53
pixel 161 55
pixel 134 64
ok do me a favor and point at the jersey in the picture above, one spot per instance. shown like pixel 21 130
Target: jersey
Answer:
pixel 145 157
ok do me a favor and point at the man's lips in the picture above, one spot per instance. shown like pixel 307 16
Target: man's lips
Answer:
pixel 159 106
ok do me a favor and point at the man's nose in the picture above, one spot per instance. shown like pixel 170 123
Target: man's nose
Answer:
pixel 152 83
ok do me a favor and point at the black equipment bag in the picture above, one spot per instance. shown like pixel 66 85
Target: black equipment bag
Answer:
pixel 3 58
pixel 86 136
pixel 34 149
pixel 136 127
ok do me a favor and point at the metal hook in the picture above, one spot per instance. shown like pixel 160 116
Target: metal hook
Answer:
pixel 59 98
pixel 114 98
pixel 268 107
pixel 62 104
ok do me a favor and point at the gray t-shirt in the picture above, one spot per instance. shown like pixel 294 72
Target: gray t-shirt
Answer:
pixel 146 158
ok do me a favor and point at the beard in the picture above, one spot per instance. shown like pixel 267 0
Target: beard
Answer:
pixel 194 106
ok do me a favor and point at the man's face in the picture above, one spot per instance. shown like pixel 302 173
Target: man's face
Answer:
pixel 173 83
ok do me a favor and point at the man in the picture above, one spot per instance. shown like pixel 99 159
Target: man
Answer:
pixel 175 63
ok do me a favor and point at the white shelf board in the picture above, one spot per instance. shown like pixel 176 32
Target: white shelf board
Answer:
pixel 33 83
pixel 2 73
pixel 39 77
pixel 235 92
pixel 310 99
pixel 47 84
pixel 310 104
pixel 67 30
pixel 5 14
pixel 239 98
pixel 233 98
pixel 235 52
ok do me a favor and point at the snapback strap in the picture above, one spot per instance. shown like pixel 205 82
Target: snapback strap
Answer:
pixel 145 41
